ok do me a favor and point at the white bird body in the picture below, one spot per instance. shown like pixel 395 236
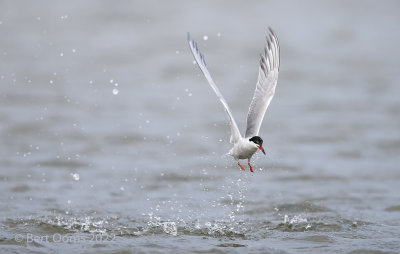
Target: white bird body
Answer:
pixel 245 147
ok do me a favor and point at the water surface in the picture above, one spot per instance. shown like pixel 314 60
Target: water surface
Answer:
pixel 112 141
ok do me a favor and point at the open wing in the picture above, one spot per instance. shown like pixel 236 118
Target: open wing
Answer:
pixel 235 134
pixel 266 84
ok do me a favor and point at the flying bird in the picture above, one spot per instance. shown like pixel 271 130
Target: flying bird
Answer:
pixel 245 147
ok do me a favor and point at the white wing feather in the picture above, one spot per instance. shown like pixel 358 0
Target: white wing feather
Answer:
pixel 235 134
pixel 266 84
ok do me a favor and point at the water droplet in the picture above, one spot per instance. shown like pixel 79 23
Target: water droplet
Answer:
pixel 177 52
pixel 205 37
pixel 73 50
pixel 219 34
pixel 69 201
pixel 115 91
pixel 61 54
pixel 111 81
pixel 75 176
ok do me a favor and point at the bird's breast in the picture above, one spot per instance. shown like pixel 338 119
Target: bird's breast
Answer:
pixel 243 150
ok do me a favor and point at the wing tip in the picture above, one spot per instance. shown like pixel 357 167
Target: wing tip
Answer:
pixel 271 31
pixel 195 49
pixel 271 50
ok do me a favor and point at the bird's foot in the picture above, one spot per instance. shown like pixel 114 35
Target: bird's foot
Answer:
pixel 241 167
pixel 251 168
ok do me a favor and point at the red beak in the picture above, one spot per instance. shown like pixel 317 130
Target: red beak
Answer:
pixel 261 148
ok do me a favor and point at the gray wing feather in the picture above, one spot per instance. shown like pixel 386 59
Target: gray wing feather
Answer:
pixel 266 84
pixel 235 134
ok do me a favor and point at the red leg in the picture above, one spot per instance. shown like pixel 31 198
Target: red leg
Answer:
pixel 241 167
pixel 251 168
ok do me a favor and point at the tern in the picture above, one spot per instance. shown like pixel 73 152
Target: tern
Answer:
pixel 245 147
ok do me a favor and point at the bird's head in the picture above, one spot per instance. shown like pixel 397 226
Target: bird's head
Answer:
pixel 258 142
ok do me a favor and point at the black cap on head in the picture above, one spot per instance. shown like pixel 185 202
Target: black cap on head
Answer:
pixel 257 140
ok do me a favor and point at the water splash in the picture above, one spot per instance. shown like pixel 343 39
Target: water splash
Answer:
pixel 296 219
pixel 168 227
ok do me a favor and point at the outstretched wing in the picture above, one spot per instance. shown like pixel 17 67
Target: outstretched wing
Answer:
pixel 266 84
pixel 235 134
